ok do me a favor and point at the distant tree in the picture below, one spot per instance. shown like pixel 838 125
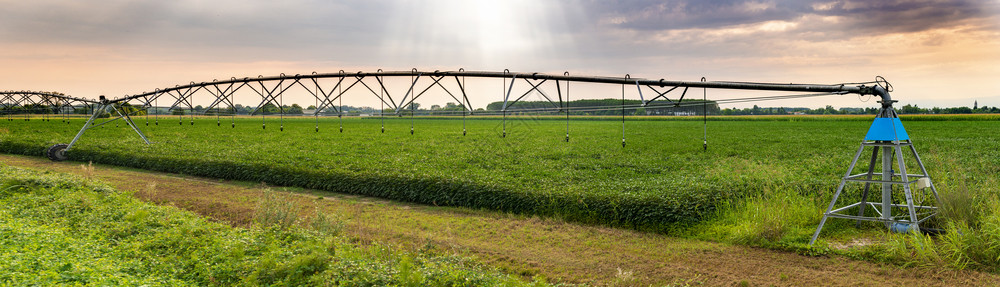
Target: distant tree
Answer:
pixel 131 110
pixel 912 109
pixel 435 107
pixel 960 110
pixel 267 109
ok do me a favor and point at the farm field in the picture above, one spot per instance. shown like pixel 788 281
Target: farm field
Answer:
pixel 530 247
pixel 763 181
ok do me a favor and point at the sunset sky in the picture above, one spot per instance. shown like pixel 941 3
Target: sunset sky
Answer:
pixel 935 53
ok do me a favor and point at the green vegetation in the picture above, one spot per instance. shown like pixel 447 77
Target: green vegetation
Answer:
pixel 764 181
pixel 55 229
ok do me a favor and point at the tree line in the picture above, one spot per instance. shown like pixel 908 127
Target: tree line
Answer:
pixel 612 107
pixel 830 110
pixel 577 107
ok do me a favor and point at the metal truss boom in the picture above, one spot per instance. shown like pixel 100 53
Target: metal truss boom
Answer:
pixel 819 88
pixel 270 89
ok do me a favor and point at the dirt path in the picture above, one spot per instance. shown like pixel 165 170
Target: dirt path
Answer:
pixel 529 246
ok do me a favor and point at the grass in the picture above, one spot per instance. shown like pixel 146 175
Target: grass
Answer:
pixel 737 191
pixel 62 230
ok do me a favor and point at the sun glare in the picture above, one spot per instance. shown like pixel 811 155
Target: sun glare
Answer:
pixel 487 34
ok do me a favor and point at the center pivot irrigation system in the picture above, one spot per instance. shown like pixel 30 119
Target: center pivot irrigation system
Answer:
pixel 886 134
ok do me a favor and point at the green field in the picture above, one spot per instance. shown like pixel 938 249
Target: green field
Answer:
pixel 763 181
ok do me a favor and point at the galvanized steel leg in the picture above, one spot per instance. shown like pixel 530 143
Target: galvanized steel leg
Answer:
pixel 864 194
pixel 86 126
pixel 914 224
pixel 840 189
pixel 887 187
pixel 924 171
pixel 128 120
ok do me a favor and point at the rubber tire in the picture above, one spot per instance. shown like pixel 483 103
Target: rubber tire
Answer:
pixel 57 152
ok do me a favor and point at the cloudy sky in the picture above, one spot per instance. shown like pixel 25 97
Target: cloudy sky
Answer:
pixel 935 53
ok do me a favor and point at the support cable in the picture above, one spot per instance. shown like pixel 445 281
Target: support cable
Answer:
pixel 683 104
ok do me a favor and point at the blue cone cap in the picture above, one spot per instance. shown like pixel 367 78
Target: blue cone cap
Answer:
pixel 887 129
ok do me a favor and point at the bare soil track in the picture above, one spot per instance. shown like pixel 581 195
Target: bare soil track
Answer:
pixel 528 246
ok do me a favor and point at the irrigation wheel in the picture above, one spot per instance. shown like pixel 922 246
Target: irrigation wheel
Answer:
pixel 57 152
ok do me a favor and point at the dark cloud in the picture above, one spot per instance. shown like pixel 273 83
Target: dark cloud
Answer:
pixel 912 16
pixel 186 26
pixel 859 16
pixel 688 14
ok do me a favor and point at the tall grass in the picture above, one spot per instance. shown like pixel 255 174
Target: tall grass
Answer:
pixel 275 210
pixel 780 218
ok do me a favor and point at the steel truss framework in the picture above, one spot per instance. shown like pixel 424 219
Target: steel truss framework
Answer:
pixel 891 175
pixel 13 103
pixel 328 90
